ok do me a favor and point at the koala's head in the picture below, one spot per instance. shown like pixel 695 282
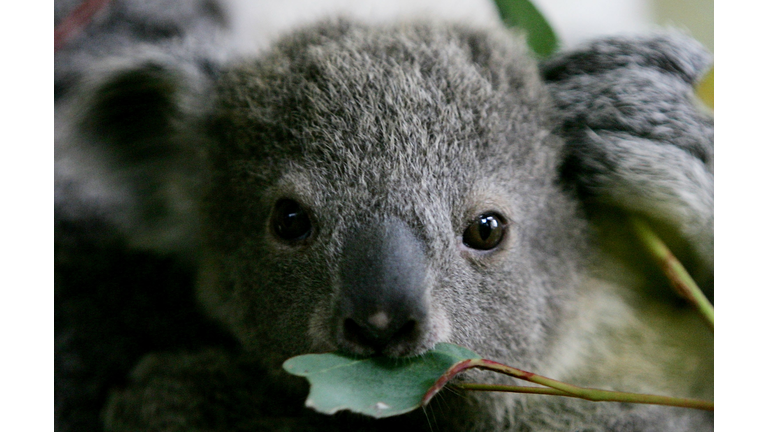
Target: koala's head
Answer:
pixel 379 190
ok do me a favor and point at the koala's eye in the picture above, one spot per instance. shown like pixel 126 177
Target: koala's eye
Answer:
pixel 290 221
pixel 485 232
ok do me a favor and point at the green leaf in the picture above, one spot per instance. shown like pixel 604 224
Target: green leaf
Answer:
pixel 375 386
pixel 524 15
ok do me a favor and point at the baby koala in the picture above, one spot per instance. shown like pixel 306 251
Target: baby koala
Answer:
pixel 381 189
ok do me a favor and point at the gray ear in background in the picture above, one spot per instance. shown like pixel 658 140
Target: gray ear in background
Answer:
pixel 636 137
pixel 131 90
pixel 129 149
pixel 131 93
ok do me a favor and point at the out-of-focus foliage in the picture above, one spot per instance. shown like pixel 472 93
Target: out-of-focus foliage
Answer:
pixel 524 15
pixel 706 89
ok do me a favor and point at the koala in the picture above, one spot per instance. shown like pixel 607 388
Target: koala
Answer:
pixel 123 271
pixel 378 189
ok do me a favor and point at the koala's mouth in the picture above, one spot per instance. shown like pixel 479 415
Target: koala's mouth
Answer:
pixel 380 334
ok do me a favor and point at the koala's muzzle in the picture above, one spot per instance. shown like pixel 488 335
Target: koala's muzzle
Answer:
pixel 383 299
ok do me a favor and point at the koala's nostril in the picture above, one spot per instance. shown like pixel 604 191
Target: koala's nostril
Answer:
pixel 406 332
pixel 355 334
pixel 370 335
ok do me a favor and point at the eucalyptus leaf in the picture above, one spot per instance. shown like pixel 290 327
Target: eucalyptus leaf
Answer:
pixel 375 386
pixel 523 14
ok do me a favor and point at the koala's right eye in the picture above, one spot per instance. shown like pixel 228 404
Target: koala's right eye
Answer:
pixel 290 222
pixel 485 232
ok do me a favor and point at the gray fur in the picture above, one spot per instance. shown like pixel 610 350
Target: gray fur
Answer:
pixel 626 104
pixel 130 90
pixel 397 137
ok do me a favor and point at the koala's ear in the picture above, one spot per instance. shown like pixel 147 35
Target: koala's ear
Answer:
pixel 674 54
pixel 637 86
pixel 132 113
pixel 134 145
pixel 636 138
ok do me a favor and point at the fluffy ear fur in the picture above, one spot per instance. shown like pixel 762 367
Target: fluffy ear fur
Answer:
pixel 130 95
pixel 130 147
pixel 194 29
pixel 636 138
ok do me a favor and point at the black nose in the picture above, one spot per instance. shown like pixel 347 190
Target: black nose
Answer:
pixel 382 305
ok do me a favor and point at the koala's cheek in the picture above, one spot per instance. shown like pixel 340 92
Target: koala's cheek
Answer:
pixel 440 327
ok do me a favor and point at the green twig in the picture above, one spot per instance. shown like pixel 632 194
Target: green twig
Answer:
pixel 511 389
pixel 570 390
pixel 681 281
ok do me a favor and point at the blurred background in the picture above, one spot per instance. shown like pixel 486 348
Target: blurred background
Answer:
pixel 573 20
pixel 258 22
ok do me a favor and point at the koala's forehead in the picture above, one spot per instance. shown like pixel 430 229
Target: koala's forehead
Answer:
pixel 383 106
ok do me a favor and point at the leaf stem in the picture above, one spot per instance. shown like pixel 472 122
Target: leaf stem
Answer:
pixel 511 389
pixel 681 281
pixel 564 389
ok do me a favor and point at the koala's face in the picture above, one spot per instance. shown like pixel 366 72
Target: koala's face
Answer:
pixel 379 191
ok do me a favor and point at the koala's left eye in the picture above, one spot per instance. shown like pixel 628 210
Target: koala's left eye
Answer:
pixel 290 221
pixel 485 232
